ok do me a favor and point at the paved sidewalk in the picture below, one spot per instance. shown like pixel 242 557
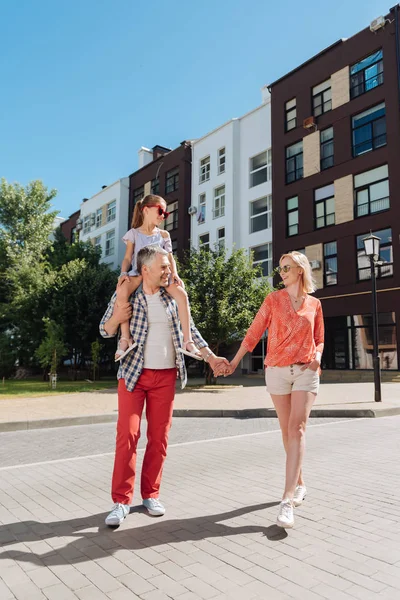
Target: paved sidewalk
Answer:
pixel 334 399
pixel 218 540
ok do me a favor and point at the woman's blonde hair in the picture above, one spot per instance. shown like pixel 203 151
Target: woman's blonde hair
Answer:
pixel 302 261
pixel 149 200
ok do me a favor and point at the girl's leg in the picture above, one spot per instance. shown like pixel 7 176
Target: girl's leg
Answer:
pixel 301 404
pixel 124 292
pixel 182 300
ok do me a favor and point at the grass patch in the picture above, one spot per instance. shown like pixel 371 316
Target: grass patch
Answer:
pixel 31 388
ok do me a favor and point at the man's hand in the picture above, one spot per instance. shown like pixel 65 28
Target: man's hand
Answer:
pixel 122 312
pixel 122 279
pixel 219 365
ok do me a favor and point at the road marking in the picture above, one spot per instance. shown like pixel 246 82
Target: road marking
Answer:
pixel 177 445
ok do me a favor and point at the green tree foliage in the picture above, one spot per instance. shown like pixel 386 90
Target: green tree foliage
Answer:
pixel 52 348
pixel 225 293
pixel 96 352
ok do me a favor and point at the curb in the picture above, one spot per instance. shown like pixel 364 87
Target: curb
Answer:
pixel 246 413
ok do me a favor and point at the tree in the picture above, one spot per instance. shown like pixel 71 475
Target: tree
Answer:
pixel 96 348
pixel 52 349
pixel 26 221
pixel 225 292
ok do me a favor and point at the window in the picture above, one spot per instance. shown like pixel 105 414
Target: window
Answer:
pixel 221 161
pixel 110 242
pixel 294 162
pixel 261 214
pixel 97 241
pixel 221 238
pixel 205 169
pixel 155 186
pixel 201 215
pixel 371 191
pixel 324 201
pixel 330 263
pixel 260 168
pixel 138 194
pixel 366 74
pixel 111 211
pixel 219 202
pixel 322 98
pixel 74 235
pixel 262 255
pixel 86 224
pixel 172 219
pixel 385 269
pixel 99 217
pixel 172 180
pixel 292 211
pixel 204 241
pixel 327 148
pixel 290 114
pixel 369 130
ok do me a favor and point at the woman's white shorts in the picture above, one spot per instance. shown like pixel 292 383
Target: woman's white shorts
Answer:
pixel 285 380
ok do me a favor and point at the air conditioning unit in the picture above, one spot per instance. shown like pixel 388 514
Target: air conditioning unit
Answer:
pixel 377 24
pixel 79 224
pixel 192 210
pixel 309 123
pixel 315 264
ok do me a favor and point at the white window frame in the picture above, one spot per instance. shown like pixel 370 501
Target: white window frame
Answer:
pixel 267 211
pixel 267 260
pixel 267 167
pixel 221 160
pixel 110 248
pixel 111 211
pixel 205 167
pixel 86 224
pixel 221 239
pixel 206 245
pixel 219 202
pixel 201 217
pixel 99 213
pixel 97 241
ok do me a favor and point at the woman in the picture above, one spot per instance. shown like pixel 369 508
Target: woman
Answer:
pixel 295 343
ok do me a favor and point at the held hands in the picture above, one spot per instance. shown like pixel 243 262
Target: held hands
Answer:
pixel 219 365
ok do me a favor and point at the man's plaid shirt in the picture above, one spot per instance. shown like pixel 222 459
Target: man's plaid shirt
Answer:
pixel 131 366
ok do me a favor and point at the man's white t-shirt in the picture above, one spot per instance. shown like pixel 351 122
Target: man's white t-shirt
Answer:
pixel 159 350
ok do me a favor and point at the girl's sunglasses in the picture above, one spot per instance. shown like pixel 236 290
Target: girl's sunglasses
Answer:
pixel 161 211
pixel 285 268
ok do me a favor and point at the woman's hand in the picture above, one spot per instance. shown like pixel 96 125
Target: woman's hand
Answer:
pixel 313 365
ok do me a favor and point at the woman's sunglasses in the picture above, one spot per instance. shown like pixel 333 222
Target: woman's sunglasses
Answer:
pixel 285 268
pixel 161 211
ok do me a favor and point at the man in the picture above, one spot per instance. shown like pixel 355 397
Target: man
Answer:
pixel 148 374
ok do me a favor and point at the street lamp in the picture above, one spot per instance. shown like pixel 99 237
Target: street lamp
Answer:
pixel 371 246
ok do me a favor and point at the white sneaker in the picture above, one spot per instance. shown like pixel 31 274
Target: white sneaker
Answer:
pixel 299 494
pixel 154 507
pixel 117 515
pixel 285 518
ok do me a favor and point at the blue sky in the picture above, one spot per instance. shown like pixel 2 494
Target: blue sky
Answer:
pixel 84 84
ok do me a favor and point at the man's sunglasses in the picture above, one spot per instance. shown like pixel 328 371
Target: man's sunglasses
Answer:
pixel 285 268
pixel 160 210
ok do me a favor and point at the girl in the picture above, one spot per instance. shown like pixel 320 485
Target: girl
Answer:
pixel 147 216
pixel 295 343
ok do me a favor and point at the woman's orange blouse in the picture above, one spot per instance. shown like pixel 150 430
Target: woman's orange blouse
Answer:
pixel 293 336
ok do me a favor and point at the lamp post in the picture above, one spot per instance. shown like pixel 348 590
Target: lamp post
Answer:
pixel 371 246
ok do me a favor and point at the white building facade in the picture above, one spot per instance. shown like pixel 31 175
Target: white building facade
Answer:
pixel 104 220
pixel 232 192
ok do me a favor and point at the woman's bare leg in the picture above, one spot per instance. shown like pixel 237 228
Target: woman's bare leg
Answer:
pixel 301 404
pixel 282 406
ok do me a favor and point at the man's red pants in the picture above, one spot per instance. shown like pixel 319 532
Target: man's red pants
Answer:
pixel 157 387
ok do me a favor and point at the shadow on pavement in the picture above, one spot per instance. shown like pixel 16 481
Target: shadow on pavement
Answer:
pixel 95 540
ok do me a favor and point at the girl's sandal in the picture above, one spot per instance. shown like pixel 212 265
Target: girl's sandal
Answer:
pixel 119 354
pixel 195 355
